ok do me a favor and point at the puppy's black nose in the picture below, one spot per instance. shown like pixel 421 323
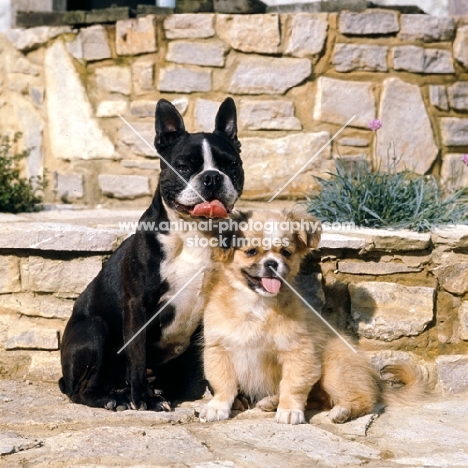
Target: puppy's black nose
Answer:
pixel 269 264
pixel 212 179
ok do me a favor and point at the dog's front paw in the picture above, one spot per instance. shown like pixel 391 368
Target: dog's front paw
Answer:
pixel 240 403
pixel 151 402
pixel 339 414
pixel 289 416
pixel 111 404
pixel 215 411
pixel 269 403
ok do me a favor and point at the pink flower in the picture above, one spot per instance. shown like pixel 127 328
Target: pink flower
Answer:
pixel 374 124
pixel 464 159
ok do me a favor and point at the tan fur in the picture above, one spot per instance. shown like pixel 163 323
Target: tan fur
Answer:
pixel 274 349
pixel 412 385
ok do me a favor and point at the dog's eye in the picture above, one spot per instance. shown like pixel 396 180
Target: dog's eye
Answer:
pixel 234 162
pixel 182 168
pixel 286 253
pixel 251 252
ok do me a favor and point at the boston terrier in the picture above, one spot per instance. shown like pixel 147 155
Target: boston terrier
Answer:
pixel 137 324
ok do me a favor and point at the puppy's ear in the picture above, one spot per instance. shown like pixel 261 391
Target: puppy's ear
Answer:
pixel 240 217
pixel 224 251
pixel 308 229
pixel 223 255
pixel 226 121
pixel 227 239
pixel 169 125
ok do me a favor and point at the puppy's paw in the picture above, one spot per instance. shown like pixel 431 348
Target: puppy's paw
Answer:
pixel 269 403
pixel 289 416
pixel 339 414
pixel 215 411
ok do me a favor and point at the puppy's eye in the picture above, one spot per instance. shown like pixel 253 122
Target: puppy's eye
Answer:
pixel 182 168
pixel 234 162
pixel 251 252
pixel 285 253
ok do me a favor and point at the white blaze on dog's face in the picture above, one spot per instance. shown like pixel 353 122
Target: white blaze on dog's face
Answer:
pixel 270 249
pixel 208 178
pixel 201 173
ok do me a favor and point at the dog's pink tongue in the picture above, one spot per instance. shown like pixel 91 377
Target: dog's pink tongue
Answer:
pixel 272 285
pixel 213 209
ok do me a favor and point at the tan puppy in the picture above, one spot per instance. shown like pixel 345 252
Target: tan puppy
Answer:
pixel 262 341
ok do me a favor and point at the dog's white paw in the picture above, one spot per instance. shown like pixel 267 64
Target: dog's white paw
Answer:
pixel 289 416
pixel 215 411
pixel 339 414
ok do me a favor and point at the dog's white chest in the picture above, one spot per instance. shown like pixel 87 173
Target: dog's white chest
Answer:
pixel 253 356
pixel 185 269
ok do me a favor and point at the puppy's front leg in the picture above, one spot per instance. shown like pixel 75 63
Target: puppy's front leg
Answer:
pixel 221 375
pixel 299 374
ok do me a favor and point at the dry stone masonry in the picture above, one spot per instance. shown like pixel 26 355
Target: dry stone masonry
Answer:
pixel 388 311
pixel 292 74
pixel 297 79
pixel 401 295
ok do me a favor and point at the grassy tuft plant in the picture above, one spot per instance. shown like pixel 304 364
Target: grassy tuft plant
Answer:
pixel 386 199
pixel 17 194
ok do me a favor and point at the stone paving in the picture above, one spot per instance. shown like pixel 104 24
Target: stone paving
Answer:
pixel 39 427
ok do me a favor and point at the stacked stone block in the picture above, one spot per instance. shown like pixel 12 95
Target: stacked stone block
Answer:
pixel 293 76
pixel 400 295
pixel 404 296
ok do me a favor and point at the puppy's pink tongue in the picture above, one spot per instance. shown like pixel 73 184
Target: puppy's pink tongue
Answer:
pixel 272 285
pixel 213 209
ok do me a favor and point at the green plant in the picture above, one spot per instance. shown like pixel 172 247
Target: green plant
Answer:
pixel 386 199
pixel 17 194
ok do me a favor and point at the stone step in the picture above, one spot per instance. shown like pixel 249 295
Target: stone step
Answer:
pixel 104 230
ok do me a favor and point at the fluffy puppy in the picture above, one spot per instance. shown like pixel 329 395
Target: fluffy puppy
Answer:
pixel 262 341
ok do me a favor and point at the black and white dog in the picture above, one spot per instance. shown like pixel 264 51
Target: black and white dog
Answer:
pixel 149 269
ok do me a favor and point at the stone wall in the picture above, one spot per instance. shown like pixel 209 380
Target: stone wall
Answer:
pixel 297 79
pixel 400 295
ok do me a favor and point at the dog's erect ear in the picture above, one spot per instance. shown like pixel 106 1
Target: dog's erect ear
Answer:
pixel 169 125
pixel 307 228
pixel 226 121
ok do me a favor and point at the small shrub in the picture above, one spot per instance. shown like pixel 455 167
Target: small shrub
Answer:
pixel 386 199
pixel 17 194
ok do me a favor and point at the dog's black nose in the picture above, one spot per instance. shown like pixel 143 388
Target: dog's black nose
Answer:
pixel 212 179
pixel 269 264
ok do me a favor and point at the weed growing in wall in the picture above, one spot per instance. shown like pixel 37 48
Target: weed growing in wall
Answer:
pixel 17 193
pixel 386 199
